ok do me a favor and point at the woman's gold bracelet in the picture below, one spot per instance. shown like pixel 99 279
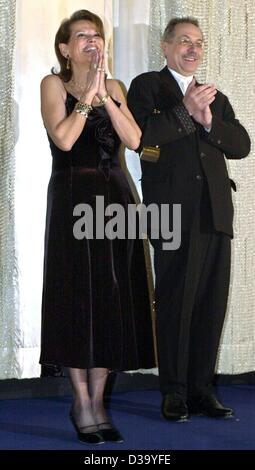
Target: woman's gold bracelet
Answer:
pixel 83 108
pixel 104 99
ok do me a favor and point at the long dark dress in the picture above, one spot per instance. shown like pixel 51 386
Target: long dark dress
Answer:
pixel 95 308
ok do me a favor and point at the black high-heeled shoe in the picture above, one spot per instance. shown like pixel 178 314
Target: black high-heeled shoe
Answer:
pixel 94 437
pixel 109 434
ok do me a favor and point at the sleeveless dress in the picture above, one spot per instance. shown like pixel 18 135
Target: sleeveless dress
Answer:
pixel 95 306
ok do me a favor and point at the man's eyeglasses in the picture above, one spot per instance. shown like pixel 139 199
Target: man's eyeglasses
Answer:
pixel 186 42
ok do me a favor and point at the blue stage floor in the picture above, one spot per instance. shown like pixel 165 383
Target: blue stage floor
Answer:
pixel 43 424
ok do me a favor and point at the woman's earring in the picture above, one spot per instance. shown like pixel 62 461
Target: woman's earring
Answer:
pixel 68 63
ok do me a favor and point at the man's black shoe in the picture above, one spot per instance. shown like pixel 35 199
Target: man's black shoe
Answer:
pixel 208 405
pixel 174 407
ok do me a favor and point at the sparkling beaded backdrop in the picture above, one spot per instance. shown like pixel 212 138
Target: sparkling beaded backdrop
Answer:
pixel 229 29
pixel 9 320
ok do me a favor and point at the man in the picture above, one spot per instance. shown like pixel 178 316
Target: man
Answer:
pixel 187 130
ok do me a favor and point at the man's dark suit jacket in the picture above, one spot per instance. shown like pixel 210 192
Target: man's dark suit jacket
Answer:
pixel 189 155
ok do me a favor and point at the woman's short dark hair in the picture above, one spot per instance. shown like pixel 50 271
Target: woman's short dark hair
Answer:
pixel 63 36
pixel 169 30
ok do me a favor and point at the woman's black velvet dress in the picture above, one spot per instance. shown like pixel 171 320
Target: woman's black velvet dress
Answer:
pixel 95 307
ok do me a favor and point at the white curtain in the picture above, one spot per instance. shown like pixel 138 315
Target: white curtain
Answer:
pixel 131 55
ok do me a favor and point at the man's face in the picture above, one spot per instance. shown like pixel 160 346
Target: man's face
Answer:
pixel 184 50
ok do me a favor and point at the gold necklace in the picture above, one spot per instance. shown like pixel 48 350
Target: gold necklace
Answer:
pixel 78 85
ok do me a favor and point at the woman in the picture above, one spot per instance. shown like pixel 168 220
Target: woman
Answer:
pixel 95 310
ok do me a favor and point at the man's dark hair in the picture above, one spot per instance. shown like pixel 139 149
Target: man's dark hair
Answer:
pixel 169 30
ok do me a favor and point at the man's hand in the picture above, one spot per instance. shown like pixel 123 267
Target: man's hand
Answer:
pixel 197 101
pixel 206 118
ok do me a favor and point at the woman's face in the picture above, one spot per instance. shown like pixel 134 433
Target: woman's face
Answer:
pixel 85 41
